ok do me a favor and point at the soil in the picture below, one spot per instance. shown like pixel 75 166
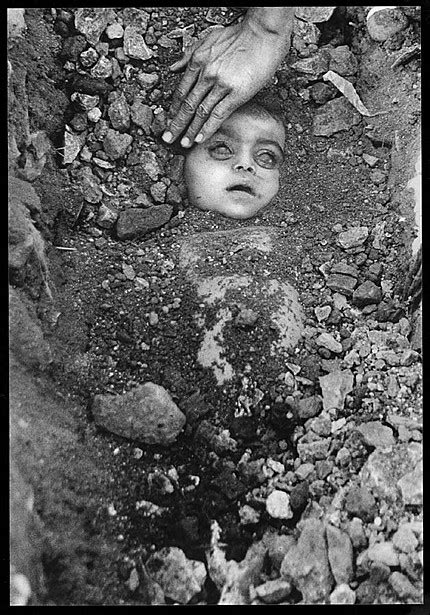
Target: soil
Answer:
pixel 87 481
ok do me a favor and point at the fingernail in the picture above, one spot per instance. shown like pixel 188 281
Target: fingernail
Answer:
pixel 185 142
pixel 167 137
pixel 199 138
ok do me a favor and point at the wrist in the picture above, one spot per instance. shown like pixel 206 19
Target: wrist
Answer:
pixel 272 20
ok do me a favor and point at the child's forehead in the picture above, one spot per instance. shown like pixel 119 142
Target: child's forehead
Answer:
pixel 244 123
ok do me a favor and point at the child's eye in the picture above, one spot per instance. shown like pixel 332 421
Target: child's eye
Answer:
pixel 220 151
pixel 267 160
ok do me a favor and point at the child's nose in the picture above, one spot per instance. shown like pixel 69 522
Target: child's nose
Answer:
pixel 244 166
pixel 244 162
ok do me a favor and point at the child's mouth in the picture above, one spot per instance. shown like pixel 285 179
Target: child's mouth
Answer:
pixel 241 188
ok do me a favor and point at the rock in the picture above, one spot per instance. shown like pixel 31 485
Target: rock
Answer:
pixel 85 102
pixel 313 67
pixel 134 44
pixel 150 165
pixel 335 387
pixel 404 539
pixel 92 22
pixel 89 186
pixel 116 144
pixel 26 340
pixel 16 25
pixel 378 177
pixel 24 193
pixel 179 578
pixel 353 238
pixel 384 21
pixel 370 160
pixel 142 116
pixel 311 451
pixel 248 515
pixel 343 284
pixel 147 80
pixel 384 553
pixel 145 413
pixel 278 505
pixel 304 470
pixel 309 407
pixel 314 14
pixel 336 115
pixel 73 143
pixel 411 486
pixel 403 587
pixel 278 547
pixel 384 468
pixel 360 503
pixel 342 594
pixel 133 223
pixel 367 294
pixel 322 313
pixel 326 340
pixel 306 564
pixel 356 533
pixel 322 92
pixel 158 192
pixel 103 69
pixel 343 61
pixel 89 57
pixel 340 554
pixel 376 434
pixel 272 592
pixel 304 33
pixel 114 31
pixel 299 496
pixel 119 113
pixel 107 216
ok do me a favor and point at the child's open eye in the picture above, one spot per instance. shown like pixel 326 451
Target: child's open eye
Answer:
pixel 267 160
pixel 220 151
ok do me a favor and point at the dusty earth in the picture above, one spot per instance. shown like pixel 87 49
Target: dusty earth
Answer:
pixel 116 313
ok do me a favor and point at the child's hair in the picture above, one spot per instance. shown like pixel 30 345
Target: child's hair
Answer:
pixel 262 105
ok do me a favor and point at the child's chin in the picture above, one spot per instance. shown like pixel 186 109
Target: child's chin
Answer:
pixel 237 213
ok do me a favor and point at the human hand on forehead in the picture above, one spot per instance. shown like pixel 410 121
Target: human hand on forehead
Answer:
pixel 225 70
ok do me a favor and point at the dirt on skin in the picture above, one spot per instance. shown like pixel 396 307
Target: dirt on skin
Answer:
pixel 102 341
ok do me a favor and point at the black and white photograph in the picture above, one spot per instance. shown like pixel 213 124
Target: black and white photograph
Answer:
pixel 215 306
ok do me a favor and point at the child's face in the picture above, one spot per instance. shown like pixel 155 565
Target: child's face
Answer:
pixel 236 171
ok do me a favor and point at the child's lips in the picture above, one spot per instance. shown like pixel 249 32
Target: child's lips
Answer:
pixel 241 188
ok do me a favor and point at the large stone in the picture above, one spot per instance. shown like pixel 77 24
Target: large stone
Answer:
pixel 278 505
pixel 119 113
pixel 134 44
pixel 343 61
pixel 116 144
pixel 335 387
pixel 314 14
pixel 343 284
pixel 179 578
pixel 336 115
pixel 272 592
pixel 90 186
pixel 26 340
pixel 147 414
pixel 354 237
pixel 384 21
pixel 367 293
pixel 309 407
pixel 360 503
pixel 304 33
pixel 92 22
pixel 340 554
pixel 134 223
pixel 384 468
pixel 73 143
pixel 404 588
pixel 142 115
pixel 376 434
pixel 326 340
pixel 306 564
pixel 383 553
pixel 313 67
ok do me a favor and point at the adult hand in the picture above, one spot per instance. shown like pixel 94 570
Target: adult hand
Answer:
pixel 225 70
